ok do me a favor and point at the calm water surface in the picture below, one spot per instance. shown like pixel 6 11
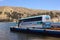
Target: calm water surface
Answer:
pixel 6 34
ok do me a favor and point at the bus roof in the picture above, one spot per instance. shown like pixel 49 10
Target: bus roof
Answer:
pixel 32 17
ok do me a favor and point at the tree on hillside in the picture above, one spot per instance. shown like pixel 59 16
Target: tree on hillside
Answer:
pixel 43 13
pixel 13 15
pixel 51 14
pixel 0 12
pixel 33 15
pixel 39 13
pixel 16 15
pixel 47 13
pixel 8 15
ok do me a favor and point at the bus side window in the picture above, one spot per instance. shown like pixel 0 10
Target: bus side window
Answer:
pixel 39 22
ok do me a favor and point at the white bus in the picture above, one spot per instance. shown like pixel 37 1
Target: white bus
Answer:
pixel 41 21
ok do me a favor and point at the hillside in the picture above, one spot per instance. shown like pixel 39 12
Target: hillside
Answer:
pixel 8 13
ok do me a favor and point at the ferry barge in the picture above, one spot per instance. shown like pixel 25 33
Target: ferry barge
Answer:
pixel 37 24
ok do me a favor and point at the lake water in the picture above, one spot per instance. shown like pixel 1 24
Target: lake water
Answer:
pixel 6 34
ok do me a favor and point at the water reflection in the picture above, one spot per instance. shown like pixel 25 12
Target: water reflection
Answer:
pixel 23 36
pixel 6 34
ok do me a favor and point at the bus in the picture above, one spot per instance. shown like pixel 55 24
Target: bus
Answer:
pixel 37 22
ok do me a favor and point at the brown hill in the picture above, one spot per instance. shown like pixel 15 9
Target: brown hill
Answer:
pixel 13 13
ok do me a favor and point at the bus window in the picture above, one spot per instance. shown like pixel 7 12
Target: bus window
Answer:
pixel 33 19
pixel 39 22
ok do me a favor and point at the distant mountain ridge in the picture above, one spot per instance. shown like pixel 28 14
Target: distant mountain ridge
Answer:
pixel 12 13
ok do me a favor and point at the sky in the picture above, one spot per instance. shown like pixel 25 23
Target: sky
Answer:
pixel 33 4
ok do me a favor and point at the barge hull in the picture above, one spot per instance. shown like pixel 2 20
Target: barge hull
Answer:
pixel 41 31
